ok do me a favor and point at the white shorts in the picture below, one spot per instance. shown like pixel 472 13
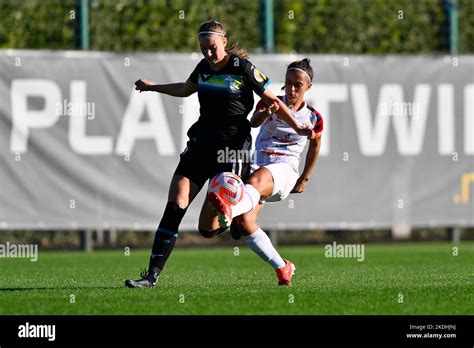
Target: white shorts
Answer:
pixel 284 180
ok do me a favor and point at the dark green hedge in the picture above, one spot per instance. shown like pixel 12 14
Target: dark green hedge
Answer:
pixel 36 24
pixel 364 26
pixel 320 26
pixel 169 25
pixel 466 26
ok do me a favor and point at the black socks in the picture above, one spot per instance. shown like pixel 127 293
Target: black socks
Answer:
pixel 165 236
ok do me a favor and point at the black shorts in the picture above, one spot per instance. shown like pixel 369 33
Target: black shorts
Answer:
pixel 199 163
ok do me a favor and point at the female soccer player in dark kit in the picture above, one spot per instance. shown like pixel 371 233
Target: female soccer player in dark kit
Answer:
pixel 225 81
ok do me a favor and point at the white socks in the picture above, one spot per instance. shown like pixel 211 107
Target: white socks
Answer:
pixel 248 202
pixel 257 241
pixel 263 247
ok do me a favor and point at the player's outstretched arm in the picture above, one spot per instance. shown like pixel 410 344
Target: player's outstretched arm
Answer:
pixel 269 98
pixel 182 89
pixel 310 162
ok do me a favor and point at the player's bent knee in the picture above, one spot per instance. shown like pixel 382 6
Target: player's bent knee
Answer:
pixel 245 224
pixel 172 216
pixel 238 222
pixel 246 220
pixel 240 226
pixel 182 204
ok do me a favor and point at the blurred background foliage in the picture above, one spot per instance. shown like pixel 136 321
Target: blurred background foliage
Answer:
pixel 316 26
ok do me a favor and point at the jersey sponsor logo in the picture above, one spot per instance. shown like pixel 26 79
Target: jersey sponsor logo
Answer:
pixel 224 83
pixel 233 85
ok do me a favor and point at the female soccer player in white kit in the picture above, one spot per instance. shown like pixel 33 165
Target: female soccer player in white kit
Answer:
pixel 276 170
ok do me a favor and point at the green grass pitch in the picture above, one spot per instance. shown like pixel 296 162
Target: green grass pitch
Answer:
pixel 215 281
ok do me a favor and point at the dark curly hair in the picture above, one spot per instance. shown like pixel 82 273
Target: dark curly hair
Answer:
pixel 305 65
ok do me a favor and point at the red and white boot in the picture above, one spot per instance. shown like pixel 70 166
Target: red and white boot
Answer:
pixel 285 273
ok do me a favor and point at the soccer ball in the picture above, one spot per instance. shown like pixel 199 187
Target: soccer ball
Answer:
pixel 228 186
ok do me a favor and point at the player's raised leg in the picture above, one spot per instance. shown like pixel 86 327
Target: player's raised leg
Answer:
pixel 181 193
